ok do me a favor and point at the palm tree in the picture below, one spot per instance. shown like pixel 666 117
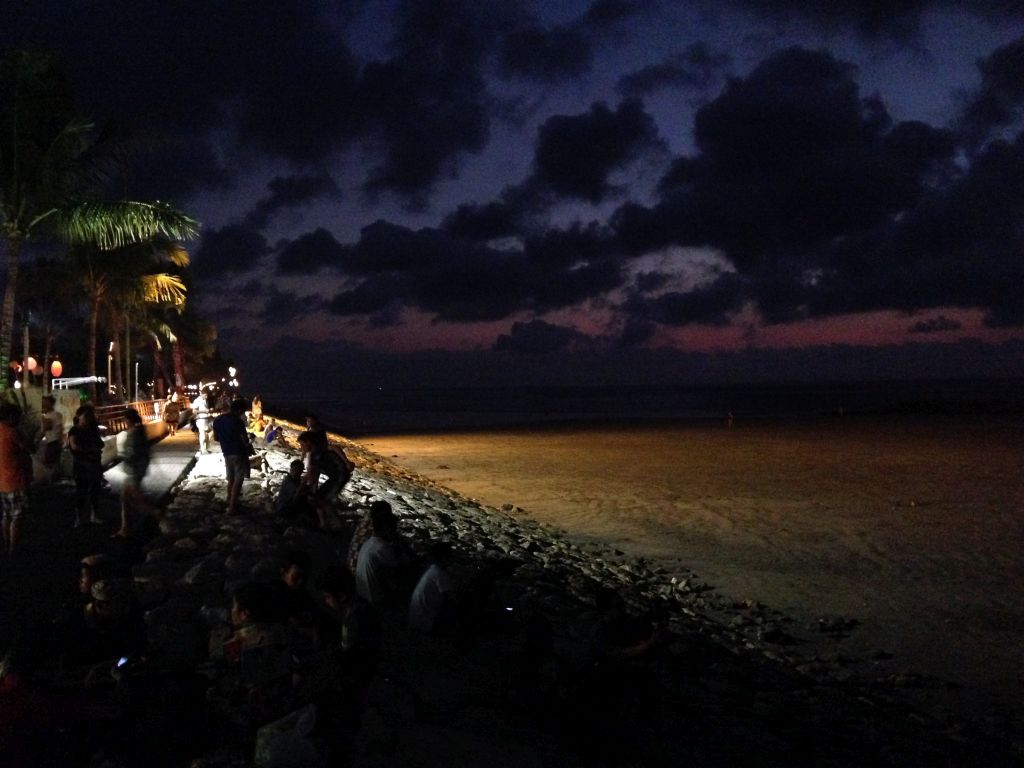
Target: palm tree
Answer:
pixel 122 280
pixel 50 170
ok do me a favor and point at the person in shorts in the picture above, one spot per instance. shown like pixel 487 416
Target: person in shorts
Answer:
pixel 229 431
pixel 15 474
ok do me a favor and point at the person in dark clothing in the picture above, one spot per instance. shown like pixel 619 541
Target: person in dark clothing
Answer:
pixel 293 599
pixel 350 637
pixel 86 447
pixel 229 431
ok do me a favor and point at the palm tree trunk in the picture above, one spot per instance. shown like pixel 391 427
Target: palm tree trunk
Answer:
pixel 177 354
pixel 94 314
pixel 46 360
pixel 116 368
pixel 7 318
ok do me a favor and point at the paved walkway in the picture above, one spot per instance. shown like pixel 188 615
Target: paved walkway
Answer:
pixel 171 458
pixel 43 574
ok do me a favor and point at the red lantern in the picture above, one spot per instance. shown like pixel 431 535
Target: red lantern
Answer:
pixel 56 369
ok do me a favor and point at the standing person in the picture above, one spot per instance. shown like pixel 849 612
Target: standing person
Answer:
pixel 316 429
pixel 172 413
pixel 135 460
pixel 15 474
pixel 201 409
pixel 86 447
pixel 52 431
pixel 229 431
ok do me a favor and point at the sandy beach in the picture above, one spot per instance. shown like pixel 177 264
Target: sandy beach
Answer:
pixel 912 526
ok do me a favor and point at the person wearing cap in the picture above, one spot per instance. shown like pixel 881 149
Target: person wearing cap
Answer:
pixel 15 475
pixel 114 625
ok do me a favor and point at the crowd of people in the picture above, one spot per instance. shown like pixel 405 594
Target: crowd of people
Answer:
pixel 308 638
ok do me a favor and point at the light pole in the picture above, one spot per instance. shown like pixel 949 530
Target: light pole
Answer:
pixel 110 362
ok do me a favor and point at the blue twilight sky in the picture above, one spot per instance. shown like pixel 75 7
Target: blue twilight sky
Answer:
pixel 612 191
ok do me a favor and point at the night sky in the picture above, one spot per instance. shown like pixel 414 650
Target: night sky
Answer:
pixel 438 192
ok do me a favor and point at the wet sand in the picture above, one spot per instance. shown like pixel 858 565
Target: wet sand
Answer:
pixel 912 526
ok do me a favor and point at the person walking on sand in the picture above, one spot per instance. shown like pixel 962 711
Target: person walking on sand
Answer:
pixel 172 413
pixel 15 474
pixel 135 460
pixel 229 431
pixel 86 447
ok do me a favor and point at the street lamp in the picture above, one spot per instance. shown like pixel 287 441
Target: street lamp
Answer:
pixel 110 363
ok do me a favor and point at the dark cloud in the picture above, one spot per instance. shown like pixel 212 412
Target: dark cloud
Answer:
pixel 999 101
pixel 709 304
pixel 937 324
pixel 459 280
pixel 894 19
pixel 231 249
pixel 695 69
pixel 483 222
pixel 959 246
pixel 792 164
pixel 537 338
pixel 647 282
pixel 542 54
pixel 575 154
pixel 428 104
pixel 546 55
pixel 282 307
pixel 309 253
pixel 289 192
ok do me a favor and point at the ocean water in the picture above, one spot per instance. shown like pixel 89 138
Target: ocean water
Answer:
pixel 356 412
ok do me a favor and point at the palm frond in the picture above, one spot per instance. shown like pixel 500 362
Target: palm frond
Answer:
pixel 163 289
pixel 114 225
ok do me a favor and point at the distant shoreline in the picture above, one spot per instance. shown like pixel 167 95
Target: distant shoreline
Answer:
pixel 910 412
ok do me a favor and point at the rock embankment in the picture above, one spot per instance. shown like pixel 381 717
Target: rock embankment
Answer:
pixel 729 689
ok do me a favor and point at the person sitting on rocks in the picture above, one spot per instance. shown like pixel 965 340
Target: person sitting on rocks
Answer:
pixel 255 620
pixel 432 606
pixel 272 432
pixel 350 623
pixel 351 640
pixel 113 623
pixel 383 559
pixel 291 596
pixel 291 500
pixel 256 685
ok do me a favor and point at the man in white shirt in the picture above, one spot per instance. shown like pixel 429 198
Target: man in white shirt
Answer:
pixel 430 608
pixel 382 558
pixel 202 416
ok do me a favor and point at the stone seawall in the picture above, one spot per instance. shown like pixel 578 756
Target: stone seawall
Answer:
pixel 734 680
